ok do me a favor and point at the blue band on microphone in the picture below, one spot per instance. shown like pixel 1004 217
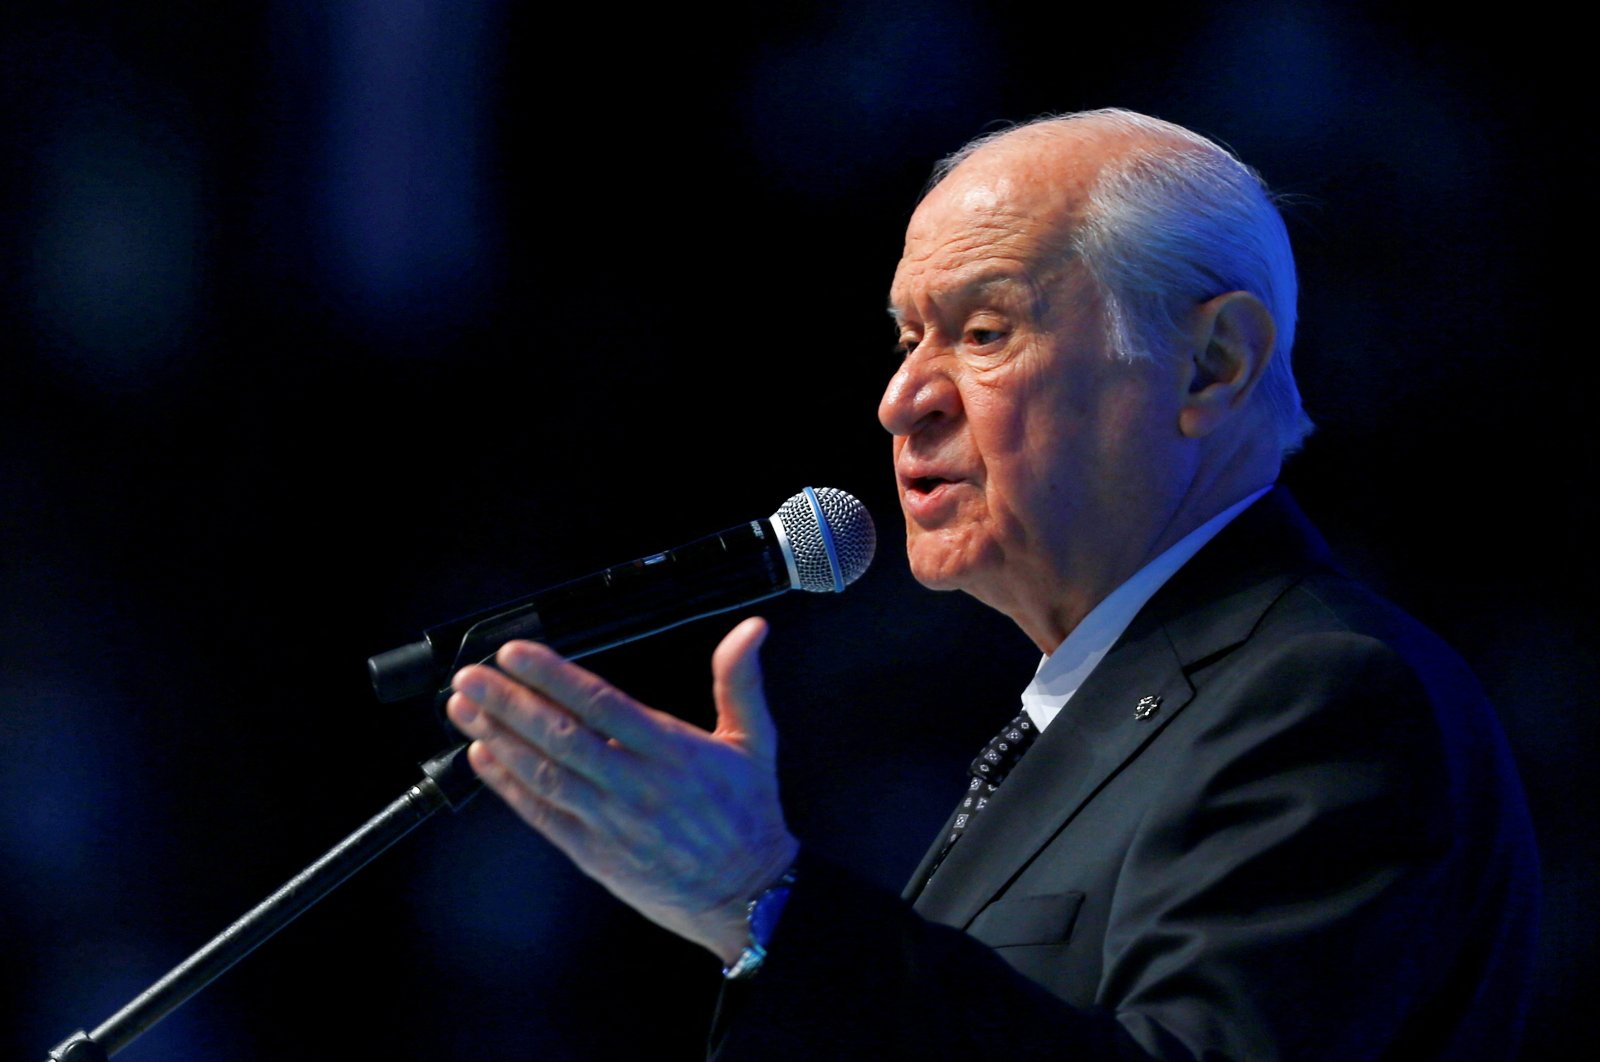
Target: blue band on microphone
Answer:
pixel 827 541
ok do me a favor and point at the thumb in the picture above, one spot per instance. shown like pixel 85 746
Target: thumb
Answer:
pixel 736 687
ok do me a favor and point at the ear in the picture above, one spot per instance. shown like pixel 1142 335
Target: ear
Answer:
pixel 1231 338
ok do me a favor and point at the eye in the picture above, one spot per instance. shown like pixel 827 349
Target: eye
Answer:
pixel 982 337
pixel 904 346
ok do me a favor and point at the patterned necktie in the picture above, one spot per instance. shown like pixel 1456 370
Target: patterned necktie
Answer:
pixel 989 768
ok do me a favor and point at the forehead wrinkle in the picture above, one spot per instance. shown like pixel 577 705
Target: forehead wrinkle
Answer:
pixel 1034 282
pixel 963 289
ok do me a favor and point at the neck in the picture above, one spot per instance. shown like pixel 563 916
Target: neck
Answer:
pixel 1048 619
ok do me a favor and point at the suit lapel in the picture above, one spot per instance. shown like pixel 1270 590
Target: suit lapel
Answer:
pixel 1069 763
pixel 1209 607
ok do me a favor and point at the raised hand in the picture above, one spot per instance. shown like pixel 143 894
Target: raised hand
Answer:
pixel 683 825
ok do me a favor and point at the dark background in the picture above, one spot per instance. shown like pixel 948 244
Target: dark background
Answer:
pixel 327 322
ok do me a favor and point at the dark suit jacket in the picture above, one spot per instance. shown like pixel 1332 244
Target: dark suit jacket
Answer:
pixel 1315 847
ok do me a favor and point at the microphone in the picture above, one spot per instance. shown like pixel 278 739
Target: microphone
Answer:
pixel 820 540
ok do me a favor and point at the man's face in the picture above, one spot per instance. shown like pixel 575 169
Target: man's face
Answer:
pixel 1030 461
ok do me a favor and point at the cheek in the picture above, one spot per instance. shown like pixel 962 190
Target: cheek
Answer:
pixel 999 425
pixel 1028 451
pixel 1051 455
pixel 1140 450
pixel 1135 421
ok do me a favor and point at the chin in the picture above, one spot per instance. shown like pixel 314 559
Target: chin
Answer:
pixel 939 563
pixel 935 580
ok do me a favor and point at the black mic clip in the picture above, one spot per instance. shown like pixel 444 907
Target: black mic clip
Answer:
pixel 821 540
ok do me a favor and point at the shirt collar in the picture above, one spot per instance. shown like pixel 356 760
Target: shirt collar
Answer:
pixel 1063 671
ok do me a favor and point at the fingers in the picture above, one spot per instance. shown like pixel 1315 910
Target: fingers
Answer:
pixel 493 708
pixel 565 830
pixel 741 699
pixel 679 823
pixel 553 798
pixel 599 705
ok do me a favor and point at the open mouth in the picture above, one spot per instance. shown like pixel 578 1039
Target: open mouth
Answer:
pixel 926 484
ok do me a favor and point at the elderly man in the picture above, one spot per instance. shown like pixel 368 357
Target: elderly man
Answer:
pixel 1261 813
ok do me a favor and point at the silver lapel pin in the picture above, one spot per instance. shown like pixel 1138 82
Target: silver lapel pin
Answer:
pixel 1146 707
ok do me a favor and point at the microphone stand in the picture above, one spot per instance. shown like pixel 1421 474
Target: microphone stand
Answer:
pixel 448 781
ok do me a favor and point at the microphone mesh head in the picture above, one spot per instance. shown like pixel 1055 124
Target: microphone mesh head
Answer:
pixel 848 530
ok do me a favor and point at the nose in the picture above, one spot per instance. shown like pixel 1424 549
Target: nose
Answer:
pixel 920 393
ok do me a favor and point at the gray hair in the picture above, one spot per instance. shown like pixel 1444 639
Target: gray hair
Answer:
pixel 1172 221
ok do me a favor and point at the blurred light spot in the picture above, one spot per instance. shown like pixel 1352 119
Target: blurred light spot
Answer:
pixel 828 114
pixel 115 253
pixel 404 142
pixel 1287 64
pixel 1286 73
pixel 473 902
pixel 64 791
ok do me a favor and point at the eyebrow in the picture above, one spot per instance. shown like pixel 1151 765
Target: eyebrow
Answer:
pixel 989 279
